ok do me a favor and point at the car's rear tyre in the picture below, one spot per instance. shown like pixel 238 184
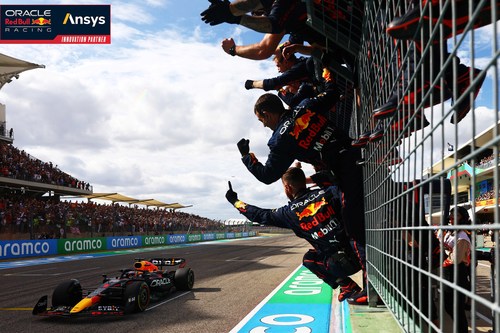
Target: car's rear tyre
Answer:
pixel 184 279
pixel 136 297
pixel 67 293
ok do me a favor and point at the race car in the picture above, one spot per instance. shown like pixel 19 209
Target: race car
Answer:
pixel 130 292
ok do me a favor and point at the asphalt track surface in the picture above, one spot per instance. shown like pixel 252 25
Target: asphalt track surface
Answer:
pixel 231 279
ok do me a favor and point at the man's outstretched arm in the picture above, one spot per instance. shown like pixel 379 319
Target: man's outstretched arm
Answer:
pixel 275 217
pixel 258 51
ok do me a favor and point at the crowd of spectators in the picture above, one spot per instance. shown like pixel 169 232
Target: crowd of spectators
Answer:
pixel 47 217
pixel 59 219
pixel 486 196
pixel 18 164
pixel 486 161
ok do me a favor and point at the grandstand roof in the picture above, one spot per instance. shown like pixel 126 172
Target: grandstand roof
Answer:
pixel 114 197
pixel 117 197
pixel 12 67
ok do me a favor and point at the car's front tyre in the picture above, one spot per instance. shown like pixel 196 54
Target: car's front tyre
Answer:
pixel 67 293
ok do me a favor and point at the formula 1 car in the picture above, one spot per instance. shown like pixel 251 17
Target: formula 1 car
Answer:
pixel 128 293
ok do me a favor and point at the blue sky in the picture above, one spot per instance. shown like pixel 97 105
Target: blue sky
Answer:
pixel 157 113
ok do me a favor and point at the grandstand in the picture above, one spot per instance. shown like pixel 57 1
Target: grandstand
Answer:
pixel 14 180
pixel 473 178
pixel 26 181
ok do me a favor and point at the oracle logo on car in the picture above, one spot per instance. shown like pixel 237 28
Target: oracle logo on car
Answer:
pixel 160 282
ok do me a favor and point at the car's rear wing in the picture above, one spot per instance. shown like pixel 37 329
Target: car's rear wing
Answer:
pixel 168 262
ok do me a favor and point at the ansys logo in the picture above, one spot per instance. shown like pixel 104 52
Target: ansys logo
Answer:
pixel 84 20
pixel 55 24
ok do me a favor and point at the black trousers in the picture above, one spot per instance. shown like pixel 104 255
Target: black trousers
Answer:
pixel 459 301
pixel 332 269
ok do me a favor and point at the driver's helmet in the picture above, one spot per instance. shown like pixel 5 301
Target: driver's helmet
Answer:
pixel 145 266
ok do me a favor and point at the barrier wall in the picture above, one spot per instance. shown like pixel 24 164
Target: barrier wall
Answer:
pixel 17 249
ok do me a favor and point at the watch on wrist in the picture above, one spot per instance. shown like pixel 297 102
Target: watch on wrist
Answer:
pixel 232 50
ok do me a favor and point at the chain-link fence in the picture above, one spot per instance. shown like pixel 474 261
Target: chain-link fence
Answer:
pixel 426 115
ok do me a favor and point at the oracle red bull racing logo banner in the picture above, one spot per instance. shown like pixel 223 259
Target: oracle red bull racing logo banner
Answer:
pixel 55 24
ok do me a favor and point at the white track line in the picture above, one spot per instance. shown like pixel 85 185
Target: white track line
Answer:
pixel 166 301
